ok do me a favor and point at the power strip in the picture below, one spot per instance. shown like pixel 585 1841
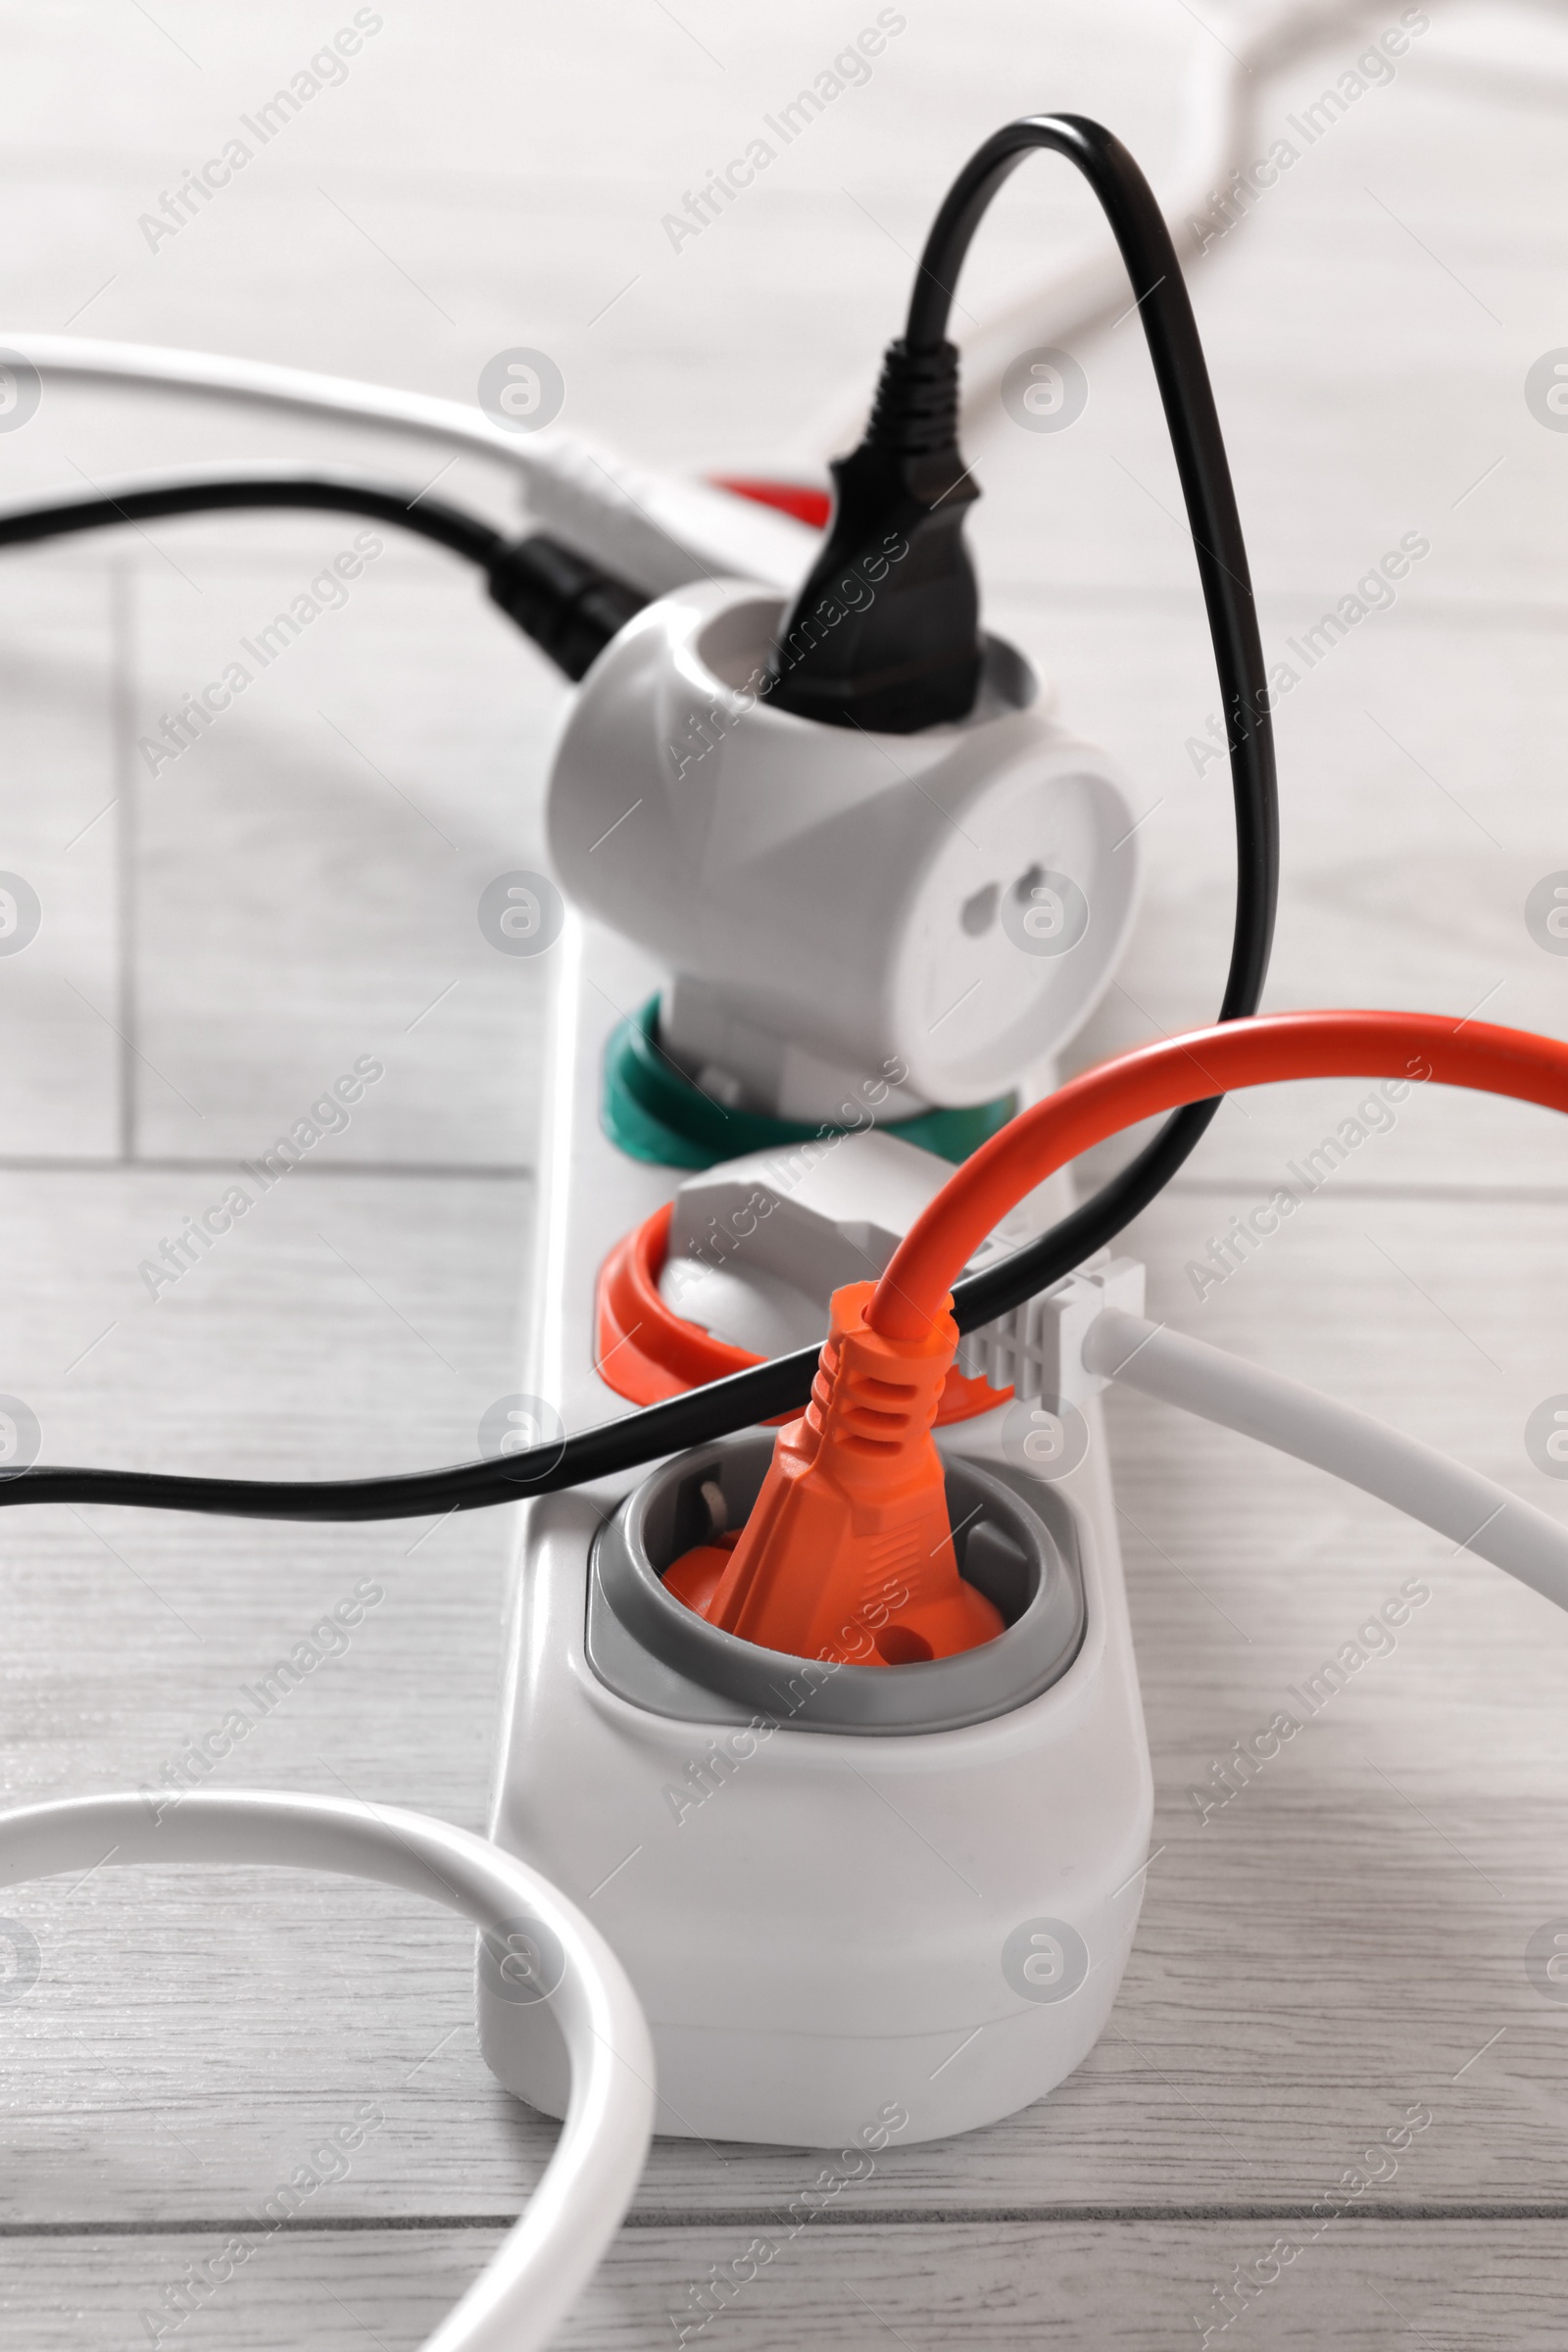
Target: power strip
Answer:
pixel 817 1922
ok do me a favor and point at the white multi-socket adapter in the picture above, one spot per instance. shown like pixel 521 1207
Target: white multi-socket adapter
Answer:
pixel 828 904
pixel 832 1886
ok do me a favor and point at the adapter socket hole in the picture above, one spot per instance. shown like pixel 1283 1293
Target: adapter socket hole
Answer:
pixel 902 1645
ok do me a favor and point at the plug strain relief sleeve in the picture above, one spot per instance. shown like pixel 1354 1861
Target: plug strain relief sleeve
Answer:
pixel 915 412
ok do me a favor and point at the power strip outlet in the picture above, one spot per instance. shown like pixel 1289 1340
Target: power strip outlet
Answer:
pixel 819 1920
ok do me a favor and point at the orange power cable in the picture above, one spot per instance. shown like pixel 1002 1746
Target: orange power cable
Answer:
pixel 851 1529
pixel 912 1292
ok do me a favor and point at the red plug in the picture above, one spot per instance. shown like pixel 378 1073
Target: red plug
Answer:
pixel 852 1512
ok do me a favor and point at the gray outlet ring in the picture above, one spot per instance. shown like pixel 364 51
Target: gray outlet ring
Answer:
pixel 649 1646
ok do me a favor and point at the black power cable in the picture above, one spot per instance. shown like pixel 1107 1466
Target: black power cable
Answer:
pixel 1198 446
pixel 567 606
pixel 784 1384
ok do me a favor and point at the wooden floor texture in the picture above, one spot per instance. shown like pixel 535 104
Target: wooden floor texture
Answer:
pixel 1344 1944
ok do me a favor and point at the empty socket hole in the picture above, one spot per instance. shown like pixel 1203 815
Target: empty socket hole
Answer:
pixel 902 1645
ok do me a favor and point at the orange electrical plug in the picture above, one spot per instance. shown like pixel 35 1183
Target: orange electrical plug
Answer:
pixel 848 1554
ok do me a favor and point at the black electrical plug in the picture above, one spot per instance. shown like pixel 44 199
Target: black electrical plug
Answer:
pixel 885 633
pixel 569 606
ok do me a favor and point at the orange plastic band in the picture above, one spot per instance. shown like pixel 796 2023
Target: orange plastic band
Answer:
pixel 644 1352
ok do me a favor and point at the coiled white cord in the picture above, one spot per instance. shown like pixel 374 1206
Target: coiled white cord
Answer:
pixel 1472 1511
pixel 542 2266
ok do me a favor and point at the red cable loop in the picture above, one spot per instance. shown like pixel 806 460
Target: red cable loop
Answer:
pixel 1217 1061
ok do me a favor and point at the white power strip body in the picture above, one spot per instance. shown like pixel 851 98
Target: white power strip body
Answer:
pixel 817 1922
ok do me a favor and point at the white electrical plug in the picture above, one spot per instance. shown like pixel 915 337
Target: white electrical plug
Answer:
pixel 1038 1349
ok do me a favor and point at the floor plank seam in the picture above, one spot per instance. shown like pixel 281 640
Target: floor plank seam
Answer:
pixel 902 2217
pixel 123 589
pixel 60 1164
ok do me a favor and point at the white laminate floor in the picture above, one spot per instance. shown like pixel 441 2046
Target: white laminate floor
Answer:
pixel 1347 1940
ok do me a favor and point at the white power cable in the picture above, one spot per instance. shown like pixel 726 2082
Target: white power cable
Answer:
pixel 1472 1511
pixel 657 530
pixel 1089 286
pixel 660 530
pixel 548 2257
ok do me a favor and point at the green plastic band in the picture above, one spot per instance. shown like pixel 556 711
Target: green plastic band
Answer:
pixel 653 1113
